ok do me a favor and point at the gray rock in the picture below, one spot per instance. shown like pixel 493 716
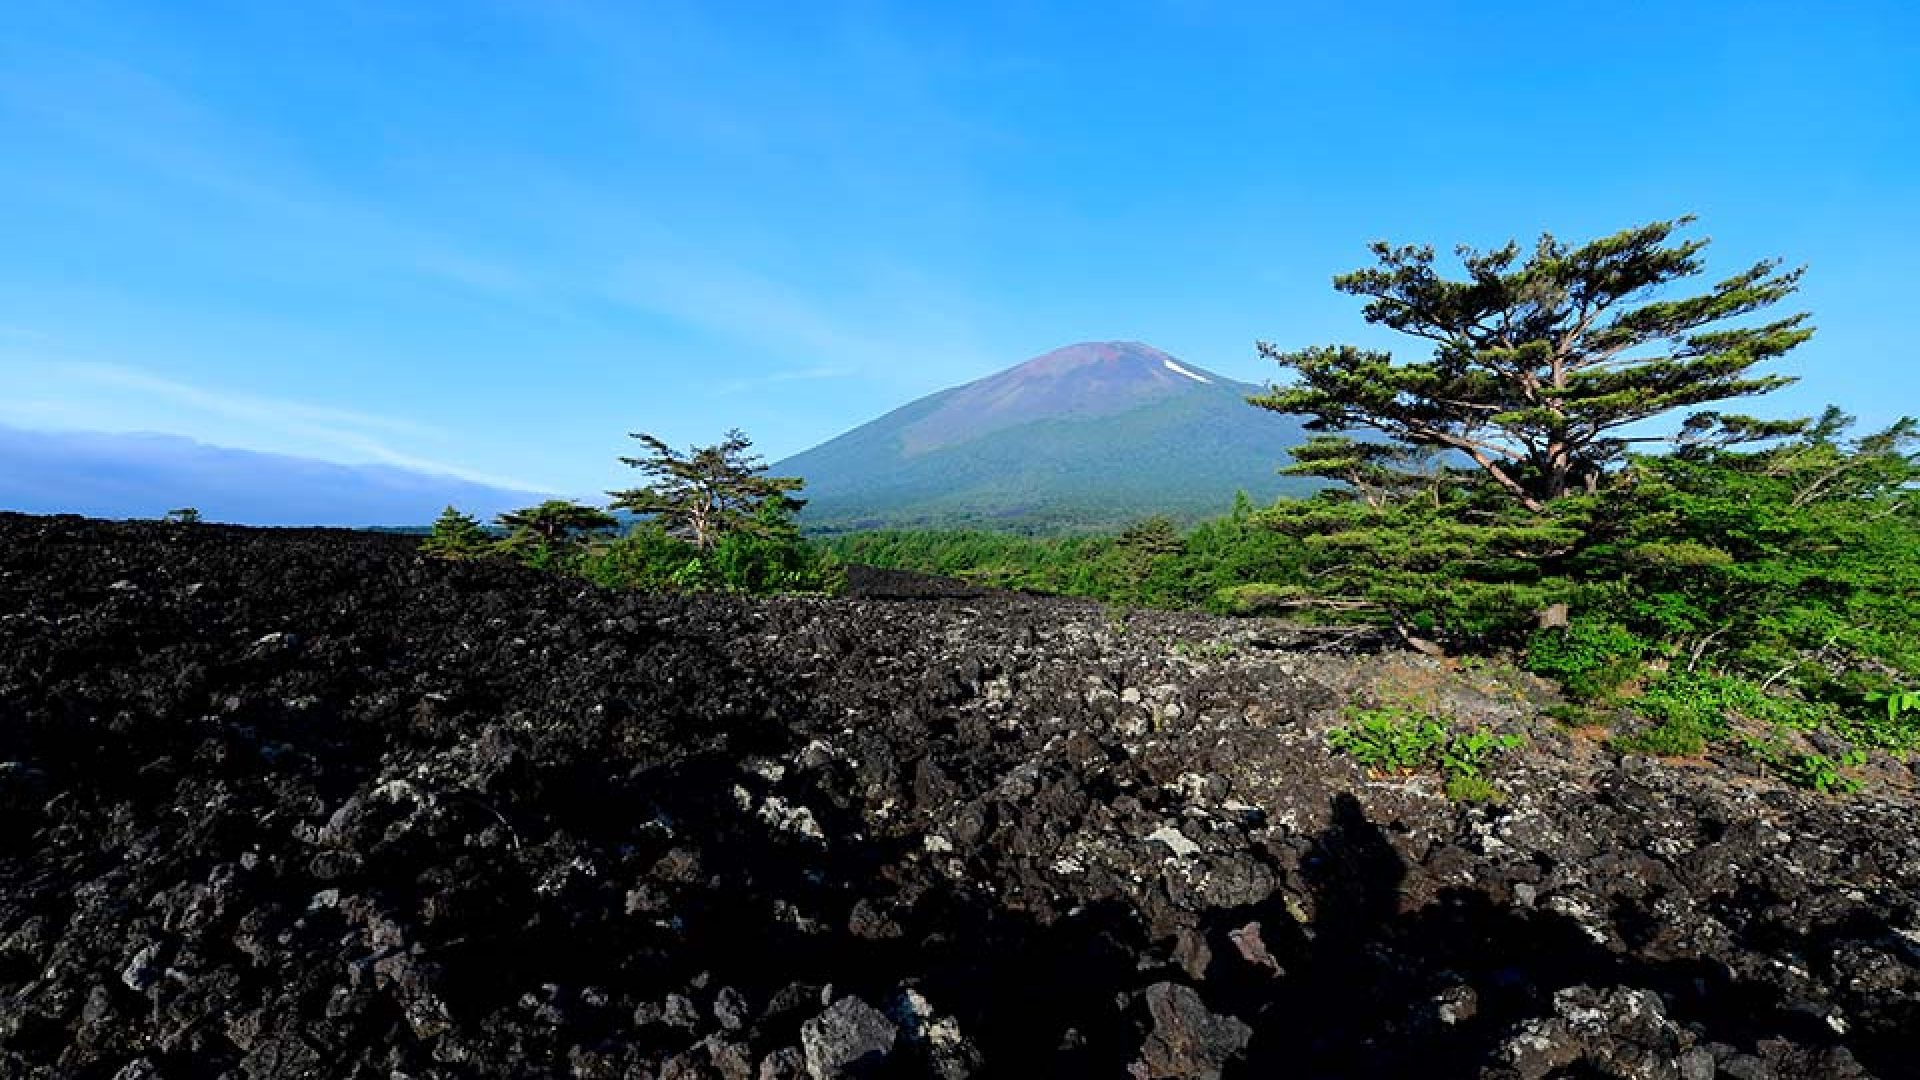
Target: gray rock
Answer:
pixel 786 1063
pixel 1188 1040
pixel 143 970
pixel 850 1038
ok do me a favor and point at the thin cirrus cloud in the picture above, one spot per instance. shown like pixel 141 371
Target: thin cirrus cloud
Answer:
pixel 84 395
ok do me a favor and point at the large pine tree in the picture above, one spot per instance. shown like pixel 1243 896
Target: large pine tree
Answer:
pixel 1537 366
pixel 710 491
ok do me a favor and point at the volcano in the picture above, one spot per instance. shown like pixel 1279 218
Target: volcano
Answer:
pixel 1086 436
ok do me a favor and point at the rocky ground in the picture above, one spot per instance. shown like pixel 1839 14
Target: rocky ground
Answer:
pixel 292 804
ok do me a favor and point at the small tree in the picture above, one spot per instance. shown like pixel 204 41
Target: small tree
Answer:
pixel 185 515
pixel 1537 366
pixel 456 536
pixel 709 492
pixel 555 527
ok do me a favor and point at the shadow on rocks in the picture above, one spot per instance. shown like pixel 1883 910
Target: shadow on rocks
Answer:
pixel 1468 985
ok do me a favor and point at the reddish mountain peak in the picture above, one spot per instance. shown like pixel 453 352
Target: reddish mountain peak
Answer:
pixel 1091 354
pixel 1091 379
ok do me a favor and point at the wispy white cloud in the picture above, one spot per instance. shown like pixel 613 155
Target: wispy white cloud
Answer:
pixel 110 397
pixel 232 405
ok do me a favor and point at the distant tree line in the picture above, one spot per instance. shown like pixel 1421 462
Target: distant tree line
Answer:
pixel 710 520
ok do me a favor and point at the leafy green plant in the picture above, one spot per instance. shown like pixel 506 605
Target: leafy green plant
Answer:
pixel 1806 769
pixel 1692 709
pixel 1822 773
pixel 1900 703
pixel 1590 659
pixel 1391 739
pixel 1893 726
pixel 1467 753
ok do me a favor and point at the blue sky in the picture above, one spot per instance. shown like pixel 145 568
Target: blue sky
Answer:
pixel 490 238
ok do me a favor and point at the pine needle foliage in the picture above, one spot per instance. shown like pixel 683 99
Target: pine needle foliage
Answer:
pixel 1538 364
pixel 709 491
pixel 457 536
pixel 559 527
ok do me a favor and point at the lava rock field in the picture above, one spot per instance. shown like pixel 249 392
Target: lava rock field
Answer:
pixel 304 803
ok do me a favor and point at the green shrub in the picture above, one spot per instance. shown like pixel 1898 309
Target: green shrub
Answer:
pixel 1662 740
pixel 1256 598
pixel 1473 789
pixel 1690 710
pixel 645 558
pixel 1466 753
pixel 651 558
pixel 1890 722
pixel 758 564
pixel 1814 771
pixel 1590 659
pixel 1389 739
pixel 1822 773
pixel 1397 740
pixel 1573 716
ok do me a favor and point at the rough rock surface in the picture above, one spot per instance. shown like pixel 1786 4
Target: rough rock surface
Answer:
pixel 303 803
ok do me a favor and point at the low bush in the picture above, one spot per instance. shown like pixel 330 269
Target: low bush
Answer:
pixel 648 557
pixel 1590 659
pixel 1392 739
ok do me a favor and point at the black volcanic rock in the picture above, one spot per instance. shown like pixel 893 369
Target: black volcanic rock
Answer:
pixel 306 804
pixel 1094 433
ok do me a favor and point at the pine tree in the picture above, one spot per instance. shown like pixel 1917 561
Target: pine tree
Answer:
pixel 709 492
pixel 558 526
pixel 1538 365
pixel 456 536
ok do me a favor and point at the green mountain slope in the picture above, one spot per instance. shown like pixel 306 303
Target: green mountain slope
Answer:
pixel 1086 436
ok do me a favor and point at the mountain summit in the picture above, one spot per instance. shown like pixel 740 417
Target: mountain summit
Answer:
pixel 1083 382
pixel 1087 435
